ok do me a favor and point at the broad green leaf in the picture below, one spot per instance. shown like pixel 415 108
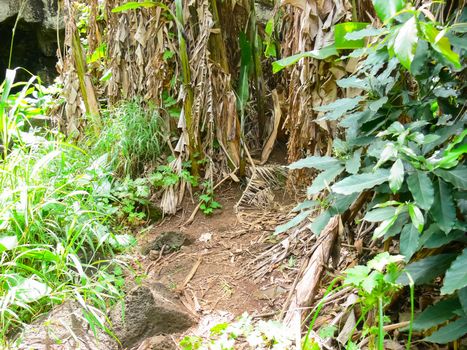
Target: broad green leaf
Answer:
pixel 122 241
pixel 436 314
pixel 377 104
pixel 327 331
pixel 384 227
pixel 8 243
pixel 433 237
pixel 363 33
pixel 371 281
pixel 30 290
pixel 385 9
pixel 352 165
pixel 451 157
pixel 353 82
pixel 458 27
pixel 380 214
pixel 320 54
pixel 320 222
pixel 342 29
pixel 292 223
pixel 380 261
pixel 324 179
pixel 405 42
pixel 416 216
pixel 396 176
pixel 445 92
pixel 396 227
pixel 338 108
pixel 106 75
pixel 462 294
pixel 425 270
pixel 456 275
pixel 132 5
pixel 340 203
pixel 420 59
pixel 320 163
pixel 422 189
pixel 361 182
pixel 356 275
pixel 409 241
pixel 305 205
pixel 456 176
pixel 454 330
pixel 442 45
pixel 388 152
pixel 443 210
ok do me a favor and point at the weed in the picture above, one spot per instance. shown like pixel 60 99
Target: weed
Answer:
pixel 133 196
pixel 165 176
pixel 132 135
pixel 208 204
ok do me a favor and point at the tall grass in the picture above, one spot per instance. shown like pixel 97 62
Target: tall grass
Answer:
pixel 133 135
pixel 55 212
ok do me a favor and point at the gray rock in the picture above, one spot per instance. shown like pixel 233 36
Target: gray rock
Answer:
pixel 171 241
pixel 43 12
pixel 64 328
pixel 147 311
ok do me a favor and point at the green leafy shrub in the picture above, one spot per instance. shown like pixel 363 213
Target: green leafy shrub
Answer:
pixel 404 143
pixel 55 215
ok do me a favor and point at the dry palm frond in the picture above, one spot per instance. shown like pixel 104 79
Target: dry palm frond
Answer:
pixel 259 191
pixel 137 41
pixel 310 83
pixel 78 89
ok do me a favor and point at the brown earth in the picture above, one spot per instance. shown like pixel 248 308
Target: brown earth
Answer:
pixel 208 272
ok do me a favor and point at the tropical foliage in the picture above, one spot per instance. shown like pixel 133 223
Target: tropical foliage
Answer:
pixel 55 219
pixel 405 144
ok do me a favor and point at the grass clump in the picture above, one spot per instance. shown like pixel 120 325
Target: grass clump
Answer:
pixel 133 134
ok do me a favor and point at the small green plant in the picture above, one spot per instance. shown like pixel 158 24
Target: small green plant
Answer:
pixel 133 197
pixel 166 176
pixel 376 283
pixel 208 204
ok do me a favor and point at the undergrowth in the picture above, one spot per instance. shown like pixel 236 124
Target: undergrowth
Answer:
pixel 133 136
pixel 56 207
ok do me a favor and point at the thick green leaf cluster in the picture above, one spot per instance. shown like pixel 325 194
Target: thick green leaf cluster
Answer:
pixel 405 142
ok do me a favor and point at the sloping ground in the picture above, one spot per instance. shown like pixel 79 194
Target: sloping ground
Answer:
pixel 208 271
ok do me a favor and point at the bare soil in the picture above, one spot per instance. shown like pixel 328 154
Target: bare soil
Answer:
pixel 208 272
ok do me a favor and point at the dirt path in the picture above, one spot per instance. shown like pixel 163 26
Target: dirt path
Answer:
pixel 208 273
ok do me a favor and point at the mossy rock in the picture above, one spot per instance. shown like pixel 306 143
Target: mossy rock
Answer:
pixel 170 240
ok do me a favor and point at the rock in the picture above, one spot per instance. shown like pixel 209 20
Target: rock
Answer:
pixel 64 328
pixel 159 342
pixel 171 241
pixel 148 310
pixel 43 12
pixel 35 43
